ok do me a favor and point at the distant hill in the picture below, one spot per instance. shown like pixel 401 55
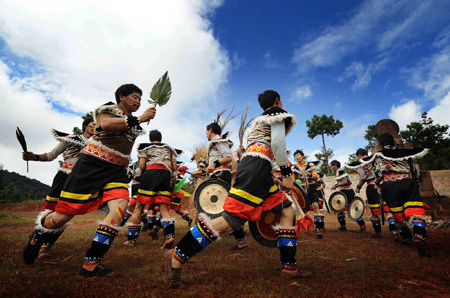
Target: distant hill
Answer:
pixel 16 188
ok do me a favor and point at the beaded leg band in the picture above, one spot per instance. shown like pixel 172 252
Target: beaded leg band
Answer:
pixel 199 237
pixel 319 222
pixel 287 244
pixel 376 223
pixel 103 240
pixel 133 233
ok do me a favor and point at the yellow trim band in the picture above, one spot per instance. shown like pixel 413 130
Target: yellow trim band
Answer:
pixel 246 195
pixel 396 209
pixel 115 185
pixel 153 193
pixel 413 204
pixel 51 199
pixel 76 196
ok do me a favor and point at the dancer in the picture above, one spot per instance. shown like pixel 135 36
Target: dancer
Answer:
pixel 71 146
pixel 159 166
pixel 99 177
pixel 306 172
pixel 366 175
pixel 343 183
pixel 398 179
pixel 220 157
pixel 253 192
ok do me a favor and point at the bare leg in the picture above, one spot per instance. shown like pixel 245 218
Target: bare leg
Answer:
pixel 114 218
pixel 136 218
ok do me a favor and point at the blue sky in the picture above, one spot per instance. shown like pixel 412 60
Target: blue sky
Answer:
pixel 360 61
pixel 352 59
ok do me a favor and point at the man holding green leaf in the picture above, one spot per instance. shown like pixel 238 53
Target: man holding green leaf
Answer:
pixel 98 178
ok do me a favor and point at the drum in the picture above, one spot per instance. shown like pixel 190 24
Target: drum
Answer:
pixel 356 209
pixel 300 195
pixel 262 229
pixel 210 196
pixel 338 201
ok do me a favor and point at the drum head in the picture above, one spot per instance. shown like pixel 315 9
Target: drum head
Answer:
pixel 210 196
pixel 356 209
pixel 300 195
pixel 262 229
pixel 338 201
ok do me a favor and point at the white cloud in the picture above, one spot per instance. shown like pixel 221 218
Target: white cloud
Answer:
pixel 374 26
pixel 432 75
pixel 75 55
pixel 302 92
pixel 440 113
pixel 362 73
pixel 405 113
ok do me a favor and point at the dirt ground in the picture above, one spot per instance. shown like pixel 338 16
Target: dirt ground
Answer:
pixel 344 264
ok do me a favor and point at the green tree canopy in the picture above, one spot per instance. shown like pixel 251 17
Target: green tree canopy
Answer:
pixel 435 137
pixel 370 137
pixel 323 125
pixel 321 156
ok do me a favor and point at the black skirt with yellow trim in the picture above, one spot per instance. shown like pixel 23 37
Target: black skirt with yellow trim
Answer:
pixel 53 196
pixel 91 184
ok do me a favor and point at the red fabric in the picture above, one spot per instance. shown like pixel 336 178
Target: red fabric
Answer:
pixel 153 200
pixel 399 216
pixel 156 166
pixel 303 223
pixel 132 201
pixel 414 211
pixel 49 206
pixel 377 211
pixel 426 206
pixel 251 213
pixel 178 195
pixel 182 170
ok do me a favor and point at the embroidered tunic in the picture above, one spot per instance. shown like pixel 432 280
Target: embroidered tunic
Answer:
pixel 157 153
pixel 71 145
pixel 114 147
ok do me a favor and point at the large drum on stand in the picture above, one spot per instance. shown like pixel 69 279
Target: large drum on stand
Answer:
pixel 210 196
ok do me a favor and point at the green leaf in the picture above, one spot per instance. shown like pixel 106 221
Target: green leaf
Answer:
pixel 161 91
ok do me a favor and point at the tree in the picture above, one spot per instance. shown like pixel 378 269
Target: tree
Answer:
pixel 370 137
pixel 323 125
pixel 351 158
pixel 321 156
pixel 435 137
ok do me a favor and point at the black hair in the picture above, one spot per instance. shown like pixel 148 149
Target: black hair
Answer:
pixel 386 139
pixel 299 152
pixel 155 135
pixel 336 163
pixel 86 122
pixel 126 90
pixel 362 152
pixel 215 127
pixel 267 99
